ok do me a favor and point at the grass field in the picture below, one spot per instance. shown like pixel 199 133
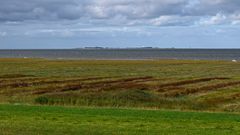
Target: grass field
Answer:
pixel 31 120
pixel 177 85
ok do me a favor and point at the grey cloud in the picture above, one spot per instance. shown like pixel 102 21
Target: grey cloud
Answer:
pixel 122 12
pixel 21 10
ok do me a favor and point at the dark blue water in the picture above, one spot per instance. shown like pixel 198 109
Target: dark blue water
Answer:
pixel 196 54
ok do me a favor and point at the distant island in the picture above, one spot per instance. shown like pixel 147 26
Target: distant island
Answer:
pixel 97 47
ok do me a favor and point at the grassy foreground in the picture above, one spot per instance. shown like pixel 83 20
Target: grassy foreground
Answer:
pixel 45 120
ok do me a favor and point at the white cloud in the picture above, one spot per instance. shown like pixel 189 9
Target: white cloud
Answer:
pixel 173 20
pixel 162 20
pixel 236 22
pixel 3 34
pixel 235 19
pixel 214 20
pixel 220 19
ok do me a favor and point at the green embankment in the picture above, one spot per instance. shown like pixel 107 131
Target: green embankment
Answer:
pixel 45 120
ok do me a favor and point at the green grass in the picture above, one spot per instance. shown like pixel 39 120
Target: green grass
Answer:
pixel 45 120
pixel 157 68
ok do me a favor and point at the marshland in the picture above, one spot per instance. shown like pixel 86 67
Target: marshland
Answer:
pixel 169 89
pixel 162 84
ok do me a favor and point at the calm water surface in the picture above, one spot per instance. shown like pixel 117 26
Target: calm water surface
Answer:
pixel 196 54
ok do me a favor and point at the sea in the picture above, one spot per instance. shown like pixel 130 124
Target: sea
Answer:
pixel 125 54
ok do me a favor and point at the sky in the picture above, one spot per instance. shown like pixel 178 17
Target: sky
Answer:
pixel 60 24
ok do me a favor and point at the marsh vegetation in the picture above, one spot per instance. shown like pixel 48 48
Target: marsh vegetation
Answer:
pixel 161 84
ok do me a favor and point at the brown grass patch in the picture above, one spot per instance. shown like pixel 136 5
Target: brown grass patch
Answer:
pixel 185 82
pixel 223 99
pixel 201 89
pixel 125 83
pixel 43 81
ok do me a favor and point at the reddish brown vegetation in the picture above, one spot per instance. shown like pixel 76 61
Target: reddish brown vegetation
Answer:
pixel 126 83
pixel 42 81
pixel 53 85
pixel 222 98
pixel 202 89
pixel 185 82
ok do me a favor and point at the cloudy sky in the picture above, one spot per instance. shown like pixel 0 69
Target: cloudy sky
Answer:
pixel 119 23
